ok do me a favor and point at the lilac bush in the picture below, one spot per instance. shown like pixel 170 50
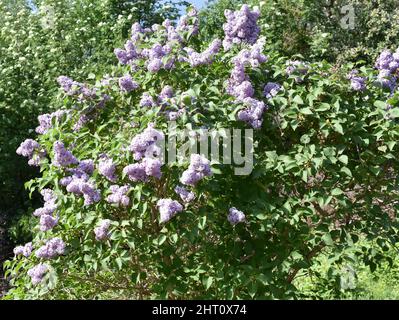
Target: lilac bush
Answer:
pixel 117 213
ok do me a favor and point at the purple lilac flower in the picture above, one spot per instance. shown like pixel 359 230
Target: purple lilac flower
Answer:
pixel 386 80
pixel 147 100
pixel 86 166
pixel 25 250
pixel 135 172
pixel 239 85
pixel 73 88
pixel 152 167
pixel 32 150
pixel 46 119
pixel 106 168
pixel 357 83
pixel 154 65
pixel 168 208
pixel 101 232
pixel 235 216
pixel 28 147
pixel 185 195
pixel 198 169
pixel 189 23
pixel 47 222
pixel 127 84
pixel 166 93
pixel 52 248
pixel 143 142
pixel 136 31
pixel 49 205
pixel 62 156
pixel 127 55
pixel 37 273
pixel 271 89
pixel 80 186
pixel 118 195
pixel 253 113
pixel 241 27
pixel 196 59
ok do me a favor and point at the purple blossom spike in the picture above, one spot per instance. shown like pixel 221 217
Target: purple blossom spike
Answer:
pixel 101 232
pixel 118 195
pixel 62 156
pixel 52 248
pixel 37 273
pixel 168 208
pixel 235 216
pixel 185 195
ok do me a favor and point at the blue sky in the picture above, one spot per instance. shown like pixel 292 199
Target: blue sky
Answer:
pixel 198 3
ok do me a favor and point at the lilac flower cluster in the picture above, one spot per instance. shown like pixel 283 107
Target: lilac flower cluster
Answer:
pixel 271 89
pixel 47 222
pixel 62 156
pixel 46 119
pixel 74 88
pixel 25 250
pixel 253 113
pixel 144 144
pixel 127 84
pixel 298 68
pixel 198 169
pixel 388 65
pixel 241 27
pixel 147 100
pixel 32 150
pixel 142 171
pixel 101 232
pixel 165 94
pixel 37 272
pixel 168 208
pixel 82 187
pixel 129 54
pixel 240 86
pixel 49 206
pixel 83 171
pixel 196 59
pixel 106 167
pixel 118 195
pixel 160 55
pixel 52 248
pixel 357 83
pixel 235 216
pixel 185 195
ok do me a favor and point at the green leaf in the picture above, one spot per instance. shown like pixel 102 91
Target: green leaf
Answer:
pixel 338 128
pixel 306 111
pixel 336 192
pixel 327 239
pixel 298 100
pixel 162 238
pixel 343 159
pixel 208 282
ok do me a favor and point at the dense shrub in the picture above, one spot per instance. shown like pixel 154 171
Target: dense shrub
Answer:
pixel 40 42
pixel 115 218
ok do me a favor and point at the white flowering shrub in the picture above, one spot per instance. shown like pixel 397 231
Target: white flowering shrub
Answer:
pixel 117 218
